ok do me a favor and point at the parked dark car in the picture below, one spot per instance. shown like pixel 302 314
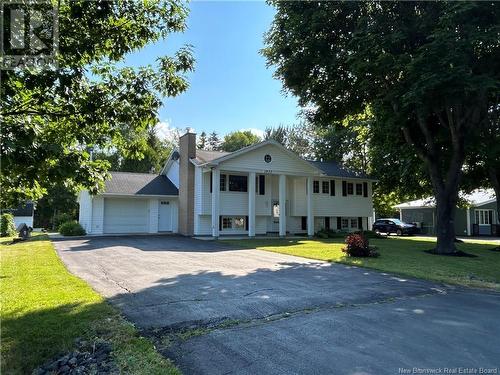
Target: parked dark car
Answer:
pixel 394 226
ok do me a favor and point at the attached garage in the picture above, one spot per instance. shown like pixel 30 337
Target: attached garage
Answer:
pixel 126 215
pixel 131 203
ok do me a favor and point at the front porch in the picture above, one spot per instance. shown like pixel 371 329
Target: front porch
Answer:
pixel 254 203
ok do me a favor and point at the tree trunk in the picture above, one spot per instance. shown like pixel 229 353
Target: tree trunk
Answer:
pixel 446 204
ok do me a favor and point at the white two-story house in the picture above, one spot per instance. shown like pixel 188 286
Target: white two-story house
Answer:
pixel 257 190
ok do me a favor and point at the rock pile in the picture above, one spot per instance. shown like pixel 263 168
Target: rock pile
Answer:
pixel 89 358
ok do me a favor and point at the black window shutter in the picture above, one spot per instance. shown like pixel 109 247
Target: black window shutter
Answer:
pixel 490 214
pixel 220 222
pixel 365 189
pixel 339 222
pixel 262 184
pixel 344 188
pixel 360 223
pixel 327 222
pixel 303 223
pixel 211 182
pixel 246 222
pixel 332 187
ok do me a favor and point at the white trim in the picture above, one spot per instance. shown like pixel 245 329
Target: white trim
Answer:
pixel 282 203
pixel 256 146
pixel 251 203
pixel 215 202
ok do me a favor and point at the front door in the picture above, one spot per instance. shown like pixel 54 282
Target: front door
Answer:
pixel 275 217
pixel 165 217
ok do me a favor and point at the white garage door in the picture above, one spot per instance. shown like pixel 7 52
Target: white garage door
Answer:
pixel 125 215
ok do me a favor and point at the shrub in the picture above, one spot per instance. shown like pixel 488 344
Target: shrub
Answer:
pixel 7 227
pixel 357 245
pixel 371 234
pixel 62 218
pixel 328 233
pixel 71 228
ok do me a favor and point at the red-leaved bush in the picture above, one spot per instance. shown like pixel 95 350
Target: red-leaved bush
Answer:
pixel 357 246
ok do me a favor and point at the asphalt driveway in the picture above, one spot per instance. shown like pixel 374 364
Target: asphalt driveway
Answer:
pixel 215 309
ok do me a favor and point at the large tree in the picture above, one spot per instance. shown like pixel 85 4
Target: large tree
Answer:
pixel 238 139
pixel 433 68
pixel 298 138
pixel 51 117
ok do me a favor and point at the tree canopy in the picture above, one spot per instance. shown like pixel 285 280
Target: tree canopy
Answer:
pixel 429 70
pixel 238 139
pixel 50 117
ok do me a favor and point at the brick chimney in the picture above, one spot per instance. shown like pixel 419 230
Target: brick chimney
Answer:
pixel 187 151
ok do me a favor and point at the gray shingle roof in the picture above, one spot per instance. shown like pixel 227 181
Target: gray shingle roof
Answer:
pixel 204 156
pixel 331 168
pixel 21 210
pixel 139 184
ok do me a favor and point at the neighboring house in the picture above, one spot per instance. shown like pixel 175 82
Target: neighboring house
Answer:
pixel 22 214
pixel 263 188
pixel 480 218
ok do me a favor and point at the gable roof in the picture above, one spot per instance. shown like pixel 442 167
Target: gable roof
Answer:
pixel 334 169
pixel 477 197
pixel 216 157
pixel 127 183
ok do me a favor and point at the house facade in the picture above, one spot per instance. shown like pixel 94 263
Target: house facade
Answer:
pixel 23 214
pixel 479 218
pixel 260 189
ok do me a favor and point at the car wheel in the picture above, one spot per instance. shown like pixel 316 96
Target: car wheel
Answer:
pixel 399 232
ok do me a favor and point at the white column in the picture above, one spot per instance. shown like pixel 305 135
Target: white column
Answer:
pixel 251 204
pixel 215 201
pixel 468 222
pixel 282 202
pixel 310 216
pixel 400 214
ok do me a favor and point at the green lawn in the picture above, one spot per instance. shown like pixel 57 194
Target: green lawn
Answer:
pixel 44 309
pixel 404 256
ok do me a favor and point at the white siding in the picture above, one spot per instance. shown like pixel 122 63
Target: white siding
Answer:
pixel 327 205
pixel 85 211
pixel 153 215
pixel 28 220
pixel 175 215
pixel 198 189
pixel 173 173
pixel 204 225
pixel 281 162
pixel 97 215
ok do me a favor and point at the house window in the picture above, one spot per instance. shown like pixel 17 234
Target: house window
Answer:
pixel 262 184
pixel 354 223
pixel 345 223
pixel 325 187
pixel 483 217
pixel 238 183
pixel 359 189
pixel 350 188
pixel 233 222
pixel 315 187
pixel 164 202
pixel 222 182
pixel 227 222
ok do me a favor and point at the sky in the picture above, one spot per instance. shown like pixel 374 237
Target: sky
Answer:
pixel 231 87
